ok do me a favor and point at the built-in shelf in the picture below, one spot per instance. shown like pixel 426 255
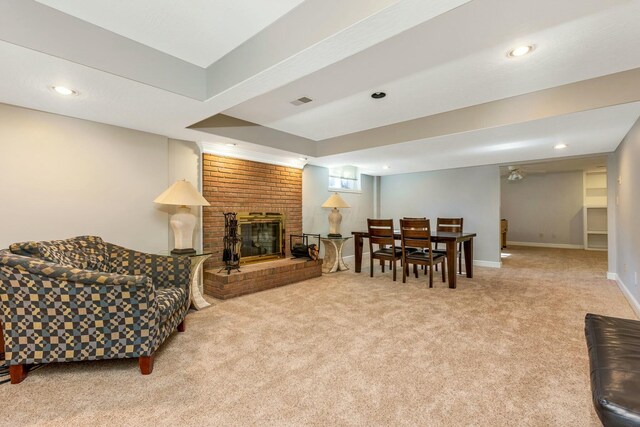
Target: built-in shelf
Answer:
pixel 595 210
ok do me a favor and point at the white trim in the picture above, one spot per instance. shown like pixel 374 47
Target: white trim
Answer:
pixel 546 245
pixel 476 262
pixel 348 257
pixel 627 294
pixel 490 264
pixel 611 276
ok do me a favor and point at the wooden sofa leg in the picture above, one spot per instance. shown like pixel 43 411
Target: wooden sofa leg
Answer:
pixel 146 364
pixel 17 373
pixel 181 327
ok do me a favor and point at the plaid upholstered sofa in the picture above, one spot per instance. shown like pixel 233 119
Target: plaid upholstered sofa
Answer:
pixel 86 299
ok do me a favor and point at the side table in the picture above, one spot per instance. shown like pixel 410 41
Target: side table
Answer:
pixel 197 260
pixel 333 254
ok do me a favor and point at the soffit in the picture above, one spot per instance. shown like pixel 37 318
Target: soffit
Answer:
pixel 456 60
pixel 197 31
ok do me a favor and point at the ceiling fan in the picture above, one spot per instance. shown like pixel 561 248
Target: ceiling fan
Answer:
pixel 516 173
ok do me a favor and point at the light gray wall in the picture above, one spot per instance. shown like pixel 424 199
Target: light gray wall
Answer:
pixel 472 193
pixel 315 183
pixel 545 208
pixel 185 163
pixel 63 177
pixel 627 211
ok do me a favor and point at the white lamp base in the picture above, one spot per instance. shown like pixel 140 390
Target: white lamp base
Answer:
pixel 335 218
pixel 183 223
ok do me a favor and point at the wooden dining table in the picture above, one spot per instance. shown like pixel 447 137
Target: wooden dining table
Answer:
pixel 451 239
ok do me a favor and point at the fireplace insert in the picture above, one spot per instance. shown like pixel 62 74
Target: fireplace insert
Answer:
pixel 261 236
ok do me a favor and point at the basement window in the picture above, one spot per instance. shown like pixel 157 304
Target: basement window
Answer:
pixel 344 179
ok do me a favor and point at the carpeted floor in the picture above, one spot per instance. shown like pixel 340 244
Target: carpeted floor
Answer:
pixel 505 348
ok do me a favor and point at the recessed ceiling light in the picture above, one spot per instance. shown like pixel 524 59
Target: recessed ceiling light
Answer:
pixel 560 146
pixel 386 167
pixel 520 51
pixel 62 90
pixel 378 95
pixel 230 144
pixel 302 159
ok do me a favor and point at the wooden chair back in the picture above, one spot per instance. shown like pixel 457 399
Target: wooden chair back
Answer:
pixel 380 233
pixel 452 225
pixel 415 233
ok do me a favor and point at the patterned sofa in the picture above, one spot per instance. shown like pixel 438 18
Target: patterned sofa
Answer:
pixel 86 299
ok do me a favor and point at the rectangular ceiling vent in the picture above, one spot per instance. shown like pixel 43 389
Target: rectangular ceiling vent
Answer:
pixel 301 101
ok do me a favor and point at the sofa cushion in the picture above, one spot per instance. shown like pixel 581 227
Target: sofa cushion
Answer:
pixel 83 252
pixel 169 299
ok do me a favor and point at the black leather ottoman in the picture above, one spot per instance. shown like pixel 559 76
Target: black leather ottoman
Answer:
pixel 614 357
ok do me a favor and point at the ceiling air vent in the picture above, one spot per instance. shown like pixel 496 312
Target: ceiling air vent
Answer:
pixel 301 101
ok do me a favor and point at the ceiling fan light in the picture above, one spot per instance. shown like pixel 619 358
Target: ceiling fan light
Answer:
pixel 514 176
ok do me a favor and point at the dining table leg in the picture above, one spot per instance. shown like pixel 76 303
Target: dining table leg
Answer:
pixel 468 257
pixel 452 256
pixel 358 243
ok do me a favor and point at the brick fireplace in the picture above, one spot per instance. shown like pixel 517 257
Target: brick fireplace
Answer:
pixel 234 185
pixel 247 187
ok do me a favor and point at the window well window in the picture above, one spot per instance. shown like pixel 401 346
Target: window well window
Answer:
pixel 344 178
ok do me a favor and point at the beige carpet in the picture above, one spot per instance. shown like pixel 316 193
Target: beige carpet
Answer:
pixel 505 348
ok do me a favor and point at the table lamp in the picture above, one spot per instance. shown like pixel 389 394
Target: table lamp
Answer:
pixel 183 222
pixel 335 218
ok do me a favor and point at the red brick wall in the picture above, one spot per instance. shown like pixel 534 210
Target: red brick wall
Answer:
pixel 233 185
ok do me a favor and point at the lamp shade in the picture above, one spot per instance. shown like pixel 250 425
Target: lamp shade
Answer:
pixel 335 201
pixel 182 193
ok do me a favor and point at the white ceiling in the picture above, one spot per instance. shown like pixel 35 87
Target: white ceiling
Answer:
pixel 196 31
pixel 594 131
pixel 436 57
pixel 454 61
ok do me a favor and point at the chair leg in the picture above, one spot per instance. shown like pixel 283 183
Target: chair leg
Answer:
pixel 415 270
pixel 444 272
pixel 181 326
pixel 431 276
pixel 371 267
pixel 459 262
pixel 17 373
pixel 405 268
pixel 382 263
pixel 146 364
pixel 394 270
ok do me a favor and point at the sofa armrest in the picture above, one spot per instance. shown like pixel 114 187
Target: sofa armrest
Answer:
pixel 52 313
pixel 163 270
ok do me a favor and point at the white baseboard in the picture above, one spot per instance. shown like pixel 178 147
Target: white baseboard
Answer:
pixel 349 257
pixel 627 294
pixel 546 245
pixel 477 262
pixel 490 264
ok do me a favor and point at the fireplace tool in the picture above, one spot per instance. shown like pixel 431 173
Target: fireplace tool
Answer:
pixel 230 254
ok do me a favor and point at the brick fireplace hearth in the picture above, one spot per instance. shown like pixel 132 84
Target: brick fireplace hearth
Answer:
pixel 234 185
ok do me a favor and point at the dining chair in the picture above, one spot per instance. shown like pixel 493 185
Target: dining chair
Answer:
pixel 381 234
pixel 416 233
pixel 452 225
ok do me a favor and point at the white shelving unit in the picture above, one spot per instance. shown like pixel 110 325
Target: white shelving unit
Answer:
pixel 595 210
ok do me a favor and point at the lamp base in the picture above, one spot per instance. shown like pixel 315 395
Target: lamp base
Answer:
pixel 334 235
pixel 186 251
